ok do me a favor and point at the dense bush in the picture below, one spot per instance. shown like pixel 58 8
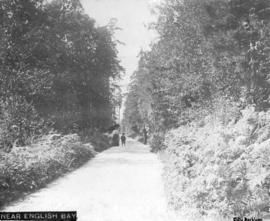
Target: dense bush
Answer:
pixel 26 169
pixel 100 141
pixel 221 169
pixel 157 142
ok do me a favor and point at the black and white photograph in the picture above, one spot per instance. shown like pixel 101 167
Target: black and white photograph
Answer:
pixel 135 110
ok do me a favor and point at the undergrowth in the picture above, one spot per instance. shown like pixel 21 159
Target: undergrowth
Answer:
pixel 220 169
pixel 26 169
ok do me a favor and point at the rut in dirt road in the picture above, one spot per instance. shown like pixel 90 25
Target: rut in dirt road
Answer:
pixel 120 184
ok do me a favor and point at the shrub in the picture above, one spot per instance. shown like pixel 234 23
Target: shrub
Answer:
pixel 157 142
pixel 26 169
pixel 100 141
pixel 220 169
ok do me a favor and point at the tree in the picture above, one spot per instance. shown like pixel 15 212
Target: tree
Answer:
pixel 55 58
pixel 239 31
pixel 207 51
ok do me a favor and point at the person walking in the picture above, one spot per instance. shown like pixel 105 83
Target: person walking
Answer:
pixel 123 139
pixel 145 135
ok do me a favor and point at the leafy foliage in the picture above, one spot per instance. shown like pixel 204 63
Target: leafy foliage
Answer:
pixel 55 58
pixel 57 71
pixel 220 169
pixel 195 86
pixel 206 50
pixel 26 169
pixel 20 123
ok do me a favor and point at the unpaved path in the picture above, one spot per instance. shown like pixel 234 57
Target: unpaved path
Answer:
pixel 120 184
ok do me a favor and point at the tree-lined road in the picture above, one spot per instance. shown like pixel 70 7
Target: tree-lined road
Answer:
pixel 120 184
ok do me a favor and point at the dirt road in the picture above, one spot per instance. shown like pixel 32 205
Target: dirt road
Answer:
pixel 120 184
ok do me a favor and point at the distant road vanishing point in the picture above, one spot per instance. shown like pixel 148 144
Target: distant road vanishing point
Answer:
pixel 120 184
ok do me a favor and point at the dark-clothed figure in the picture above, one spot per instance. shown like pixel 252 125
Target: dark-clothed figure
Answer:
pixel 123 139
pixel 145 135
pixel 115 139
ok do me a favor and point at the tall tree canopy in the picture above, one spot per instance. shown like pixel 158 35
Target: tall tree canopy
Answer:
pixel 55 59
pixel 207 50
